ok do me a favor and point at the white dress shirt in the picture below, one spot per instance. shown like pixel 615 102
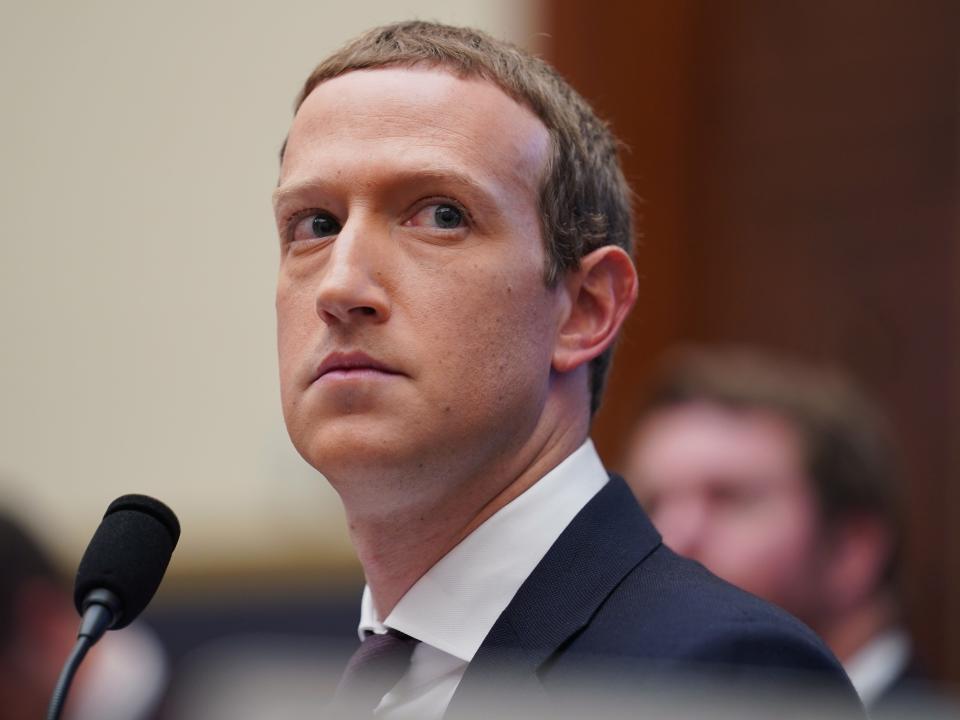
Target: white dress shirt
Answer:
pixel 877 664
pixel 454 605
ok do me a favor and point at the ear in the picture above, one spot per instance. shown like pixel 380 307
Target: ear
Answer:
pixel 601 291
pixel 859 550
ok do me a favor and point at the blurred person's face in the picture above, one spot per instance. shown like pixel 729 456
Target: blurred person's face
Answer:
pixel 414 324
pixel 728 489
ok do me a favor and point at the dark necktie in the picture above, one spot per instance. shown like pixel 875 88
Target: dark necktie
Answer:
pixel 374 668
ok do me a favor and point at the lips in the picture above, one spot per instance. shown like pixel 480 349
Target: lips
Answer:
pixel 346 364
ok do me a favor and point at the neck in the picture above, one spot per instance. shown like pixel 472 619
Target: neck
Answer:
pixel 397 547
pixel 849 633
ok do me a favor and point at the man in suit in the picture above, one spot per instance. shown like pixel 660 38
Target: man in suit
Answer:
pixel 779 477
pixel 456 236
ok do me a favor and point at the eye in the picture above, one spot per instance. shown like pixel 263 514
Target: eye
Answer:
pixel 733 498
pixel 314 225
pixel 445 216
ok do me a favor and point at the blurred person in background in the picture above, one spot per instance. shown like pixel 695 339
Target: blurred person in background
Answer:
pixel 779 478
pixel 123 677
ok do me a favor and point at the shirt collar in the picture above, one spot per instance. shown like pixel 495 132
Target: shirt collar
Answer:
pixel 457 601
pixel 874 667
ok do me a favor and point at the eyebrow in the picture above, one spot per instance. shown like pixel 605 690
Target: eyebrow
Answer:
pixel 479 195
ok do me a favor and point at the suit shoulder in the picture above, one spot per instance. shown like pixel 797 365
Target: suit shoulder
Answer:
pixel 670 608
pixel 672 627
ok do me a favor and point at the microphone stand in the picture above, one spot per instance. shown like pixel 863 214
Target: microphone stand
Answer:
pixel 66 677
pixel 100 610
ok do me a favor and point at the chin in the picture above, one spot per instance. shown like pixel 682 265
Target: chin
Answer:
pixel 345 454
pixel 373 479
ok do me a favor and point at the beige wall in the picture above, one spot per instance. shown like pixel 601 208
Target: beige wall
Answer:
pixel 137 260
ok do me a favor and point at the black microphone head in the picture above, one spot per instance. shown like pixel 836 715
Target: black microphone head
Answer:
pixel 128 554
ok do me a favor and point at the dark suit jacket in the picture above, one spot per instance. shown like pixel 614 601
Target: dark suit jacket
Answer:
pixel 913 693
pixel 610 600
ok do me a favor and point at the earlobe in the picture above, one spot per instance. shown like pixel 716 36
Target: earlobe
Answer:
pixel 602 291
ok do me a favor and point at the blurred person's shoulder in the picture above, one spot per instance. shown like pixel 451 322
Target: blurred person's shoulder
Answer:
pixel 914 693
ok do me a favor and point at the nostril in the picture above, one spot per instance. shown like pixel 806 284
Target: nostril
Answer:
pixel 367 310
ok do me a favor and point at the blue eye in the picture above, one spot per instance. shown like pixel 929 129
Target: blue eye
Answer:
pixel 440 216
pixel 448 217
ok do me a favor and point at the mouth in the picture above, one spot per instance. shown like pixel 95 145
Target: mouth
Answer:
pixel 351 365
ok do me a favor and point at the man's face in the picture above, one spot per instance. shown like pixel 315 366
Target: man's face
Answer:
pixel 728 489
pixel 415 329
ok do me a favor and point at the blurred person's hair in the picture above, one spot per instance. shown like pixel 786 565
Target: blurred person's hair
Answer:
pixel 585 202
pixel 845 442
pixel 21 561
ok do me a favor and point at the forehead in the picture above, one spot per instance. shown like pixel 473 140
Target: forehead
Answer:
pixel 424 117
pixel 700 443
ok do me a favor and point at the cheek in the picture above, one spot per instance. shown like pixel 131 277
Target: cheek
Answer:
pixel 296 330
pixel 489 331
pixel 483 303
pixel 769 556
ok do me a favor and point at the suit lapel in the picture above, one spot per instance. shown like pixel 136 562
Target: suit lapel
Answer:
pixel 607 538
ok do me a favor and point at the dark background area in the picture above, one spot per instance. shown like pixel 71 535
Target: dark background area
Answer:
pixel 797 172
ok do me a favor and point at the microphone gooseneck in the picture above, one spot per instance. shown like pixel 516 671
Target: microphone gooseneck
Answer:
pixel 118 575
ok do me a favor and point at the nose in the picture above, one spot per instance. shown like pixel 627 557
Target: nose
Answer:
pixel 351 286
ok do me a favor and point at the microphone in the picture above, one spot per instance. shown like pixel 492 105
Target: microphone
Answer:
pixel 118 575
